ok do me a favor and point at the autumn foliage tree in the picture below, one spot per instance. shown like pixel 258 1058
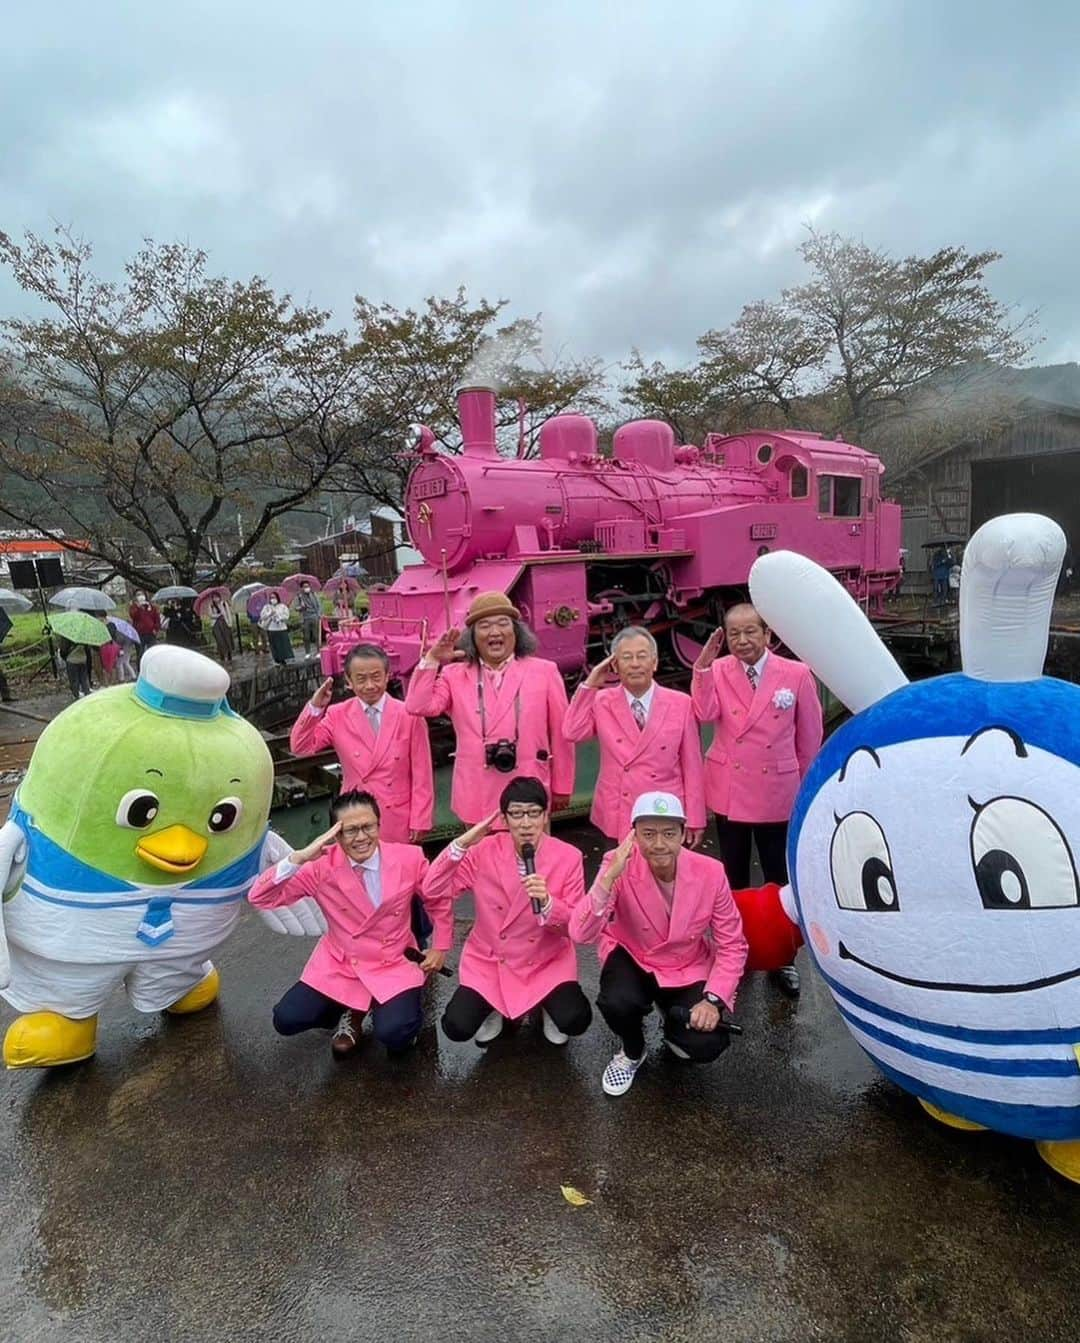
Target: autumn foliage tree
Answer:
pixel 144 417
pixel 868 343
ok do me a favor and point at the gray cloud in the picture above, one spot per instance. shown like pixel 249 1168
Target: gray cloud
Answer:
pixel 634 171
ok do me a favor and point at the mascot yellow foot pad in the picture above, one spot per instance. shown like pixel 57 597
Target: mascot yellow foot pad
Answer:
pixel 48 1040
pixel 1064 1157
pixel 951 1120
pixel 202 995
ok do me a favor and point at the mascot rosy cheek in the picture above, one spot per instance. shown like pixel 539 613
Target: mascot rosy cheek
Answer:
pixel 933 845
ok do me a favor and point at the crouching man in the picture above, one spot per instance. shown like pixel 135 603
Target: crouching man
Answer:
pixel 669 936
pixel 364 891
pixel 518 955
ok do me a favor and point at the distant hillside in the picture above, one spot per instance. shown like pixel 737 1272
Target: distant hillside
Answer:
pixel 1059 383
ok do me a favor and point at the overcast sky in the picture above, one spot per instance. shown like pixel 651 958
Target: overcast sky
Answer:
pixel 636 172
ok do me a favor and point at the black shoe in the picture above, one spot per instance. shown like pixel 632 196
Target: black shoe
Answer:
pixel 787 980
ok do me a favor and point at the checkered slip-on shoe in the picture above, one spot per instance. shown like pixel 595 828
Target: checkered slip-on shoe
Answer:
pixel 620 1073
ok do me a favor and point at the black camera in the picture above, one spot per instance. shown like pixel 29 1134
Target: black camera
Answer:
pixel 501 755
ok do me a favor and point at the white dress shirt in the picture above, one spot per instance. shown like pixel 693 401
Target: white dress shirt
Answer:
pixel 371 869
pixel 645 699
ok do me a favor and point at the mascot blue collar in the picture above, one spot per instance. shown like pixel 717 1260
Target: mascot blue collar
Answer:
pixel 57 877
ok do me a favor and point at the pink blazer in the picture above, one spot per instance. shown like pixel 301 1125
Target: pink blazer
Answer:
pixel 702 938
pixel 542 750
pixel 761 750
pixel 665 757
pixel 362 956
pixel 395 765
pixel 510 958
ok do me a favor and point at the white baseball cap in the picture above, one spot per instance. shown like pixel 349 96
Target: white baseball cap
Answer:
pixel 664 805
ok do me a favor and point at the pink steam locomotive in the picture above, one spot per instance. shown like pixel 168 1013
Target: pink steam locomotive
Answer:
pixel 656 534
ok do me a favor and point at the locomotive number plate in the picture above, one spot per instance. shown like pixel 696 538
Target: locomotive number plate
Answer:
pixel 762 531
pixel 431 489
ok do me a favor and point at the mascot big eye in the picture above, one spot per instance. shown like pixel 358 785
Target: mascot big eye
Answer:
pixel 934 844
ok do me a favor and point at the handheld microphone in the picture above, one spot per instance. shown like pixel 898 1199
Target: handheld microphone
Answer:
pixel 681 1013
pixel 415 955
pixel 528 857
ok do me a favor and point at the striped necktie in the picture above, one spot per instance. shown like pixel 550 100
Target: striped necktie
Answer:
pixel 638 710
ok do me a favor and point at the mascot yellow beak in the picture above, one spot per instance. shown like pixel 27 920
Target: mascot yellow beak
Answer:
pixel 175 849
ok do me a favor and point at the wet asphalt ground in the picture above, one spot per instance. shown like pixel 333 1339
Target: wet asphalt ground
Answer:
pixel 202 1179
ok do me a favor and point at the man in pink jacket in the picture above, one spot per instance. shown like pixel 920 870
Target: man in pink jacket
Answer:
pixel 518 955
pixel 768 730
pixel 669 934
pixel 382 748
pixel 507 707
pixel 364 891
pixel 649 737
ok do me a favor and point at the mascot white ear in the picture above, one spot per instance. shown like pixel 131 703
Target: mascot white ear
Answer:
pixel 1007 587
pixel 820 622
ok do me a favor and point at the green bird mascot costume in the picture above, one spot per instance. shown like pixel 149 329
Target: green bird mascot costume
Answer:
pixel 132 842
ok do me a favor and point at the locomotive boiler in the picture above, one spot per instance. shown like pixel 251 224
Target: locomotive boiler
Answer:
pixel 658 533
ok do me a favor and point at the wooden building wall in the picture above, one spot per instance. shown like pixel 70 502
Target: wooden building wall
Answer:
pixel 937 495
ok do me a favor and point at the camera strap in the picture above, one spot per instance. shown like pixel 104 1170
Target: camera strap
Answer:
pixel 482 711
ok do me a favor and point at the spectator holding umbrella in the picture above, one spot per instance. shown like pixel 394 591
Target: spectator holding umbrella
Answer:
pixel 274 619
pixel 127 642
pixel 219 610
pixel 342 605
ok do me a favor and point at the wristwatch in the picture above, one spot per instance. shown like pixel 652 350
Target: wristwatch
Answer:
pixel 716 1002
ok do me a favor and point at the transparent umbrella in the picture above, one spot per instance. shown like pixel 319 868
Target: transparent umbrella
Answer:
pixel 175 592
pixel 82 599
pixel 14 601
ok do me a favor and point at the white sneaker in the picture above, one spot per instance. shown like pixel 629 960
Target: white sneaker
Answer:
pixel 552 1034
pixel 620 1073
pixel 490 1030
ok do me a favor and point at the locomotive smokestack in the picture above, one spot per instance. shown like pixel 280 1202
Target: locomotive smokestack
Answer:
pixel 476 411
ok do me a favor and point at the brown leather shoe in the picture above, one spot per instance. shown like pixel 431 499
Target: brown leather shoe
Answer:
pixel 344 1040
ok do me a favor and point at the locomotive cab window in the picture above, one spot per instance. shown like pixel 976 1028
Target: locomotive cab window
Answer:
pixel 840 496
pixel 800 482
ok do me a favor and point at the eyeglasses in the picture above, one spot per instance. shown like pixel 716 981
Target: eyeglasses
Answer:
pixel 355 831
pixel 525 814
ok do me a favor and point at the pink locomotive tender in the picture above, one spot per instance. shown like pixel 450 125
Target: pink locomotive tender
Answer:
pixel 657 534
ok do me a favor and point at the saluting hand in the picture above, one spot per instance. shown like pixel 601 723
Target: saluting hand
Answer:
pixel 445 648
pixel 317 847
pixel 620 857
pixel 599 673
pixel 325 693
pixel 477 832
pixel 709 653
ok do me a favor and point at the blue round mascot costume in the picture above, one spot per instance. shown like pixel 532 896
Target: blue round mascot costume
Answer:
pixel 933 846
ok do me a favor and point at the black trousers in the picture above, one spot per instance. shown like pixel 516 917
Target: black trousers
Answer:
pixel 396 1022
pixel 734 839
pixel 627 996
pixel 566 1005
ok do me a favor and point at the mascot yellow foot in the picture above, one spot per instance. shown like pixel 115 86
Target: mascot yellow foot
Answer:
pixel 202 995
pixel 47 1040
pixel 951 1120
pixel 1064 1157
